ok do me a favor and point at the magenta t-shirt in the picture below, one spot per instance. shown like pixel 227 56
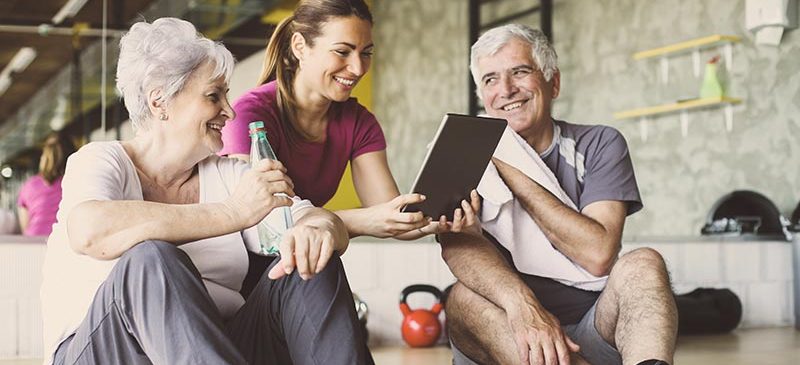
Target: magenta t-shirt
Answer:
pixel 41 201
pixel 315 168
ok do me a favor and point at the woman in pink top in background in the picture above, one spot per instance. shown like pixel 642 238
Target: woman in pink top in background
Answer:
pixel 313 61
pixel 40 195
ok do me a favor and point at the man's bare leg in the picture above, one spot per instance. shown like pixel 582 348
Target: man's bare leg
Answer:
pixel 636 311
pixel 486 340
pixel 479 328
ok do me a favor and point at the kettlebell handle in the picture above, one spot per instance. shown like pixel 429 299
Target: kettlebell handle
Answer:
pixel 437 307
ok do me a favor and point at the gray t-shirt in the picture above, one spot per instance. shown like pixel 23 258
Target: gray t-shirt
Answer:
pixel 592 163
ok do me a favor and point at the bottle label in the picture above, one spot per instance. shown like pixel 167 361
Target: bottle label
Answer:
pixel 271 230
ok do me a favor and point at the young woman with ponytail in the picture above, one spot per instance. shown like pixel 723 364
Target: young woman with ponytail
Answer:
pixel 40 195
pixel 313 61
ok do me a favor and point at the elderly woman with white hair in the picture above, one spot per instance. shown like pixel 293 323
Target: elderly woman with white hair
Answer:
pixel 147 258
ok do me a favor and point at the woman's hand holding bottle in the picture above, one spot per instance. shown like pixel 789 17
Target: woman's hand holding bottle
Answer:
pixel 255 195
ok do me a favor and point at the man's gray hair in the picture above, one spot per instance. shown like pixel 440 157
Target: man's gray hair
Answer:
pixel 163 55
pixel 490 42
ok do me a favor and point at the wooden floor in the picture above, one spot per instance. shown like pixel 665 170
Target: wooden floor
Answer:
pixel 772 346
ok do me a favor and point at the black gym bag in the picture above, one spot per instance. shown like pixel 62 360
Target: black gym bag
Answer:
pixel 706 310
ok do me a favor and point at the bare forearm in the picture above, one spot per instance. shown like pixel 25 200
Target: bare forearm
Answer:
pixel 362 222
pixel 324 219
pixel 579 237
pixel 353 220
pixel 569 230
pixel 478 265
pixel 106 229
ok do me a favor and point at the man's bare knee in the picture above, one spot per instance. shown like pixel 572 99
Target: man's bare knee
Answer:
pixel 460 296
pixel 640 275
pixel 638 313
pixel 477 327
pixel 643 256
pixel 461 307
pixel 640 264
pixel 457 294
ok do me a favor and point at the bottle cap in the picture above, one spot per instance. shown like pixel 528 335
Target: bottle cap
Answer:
pixel 256 125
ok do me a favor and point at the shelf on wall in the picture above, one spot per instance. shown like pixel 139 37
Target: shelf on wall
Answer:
pixel 693 46
pixel 675 107
pixel 704 42
pixel 683 108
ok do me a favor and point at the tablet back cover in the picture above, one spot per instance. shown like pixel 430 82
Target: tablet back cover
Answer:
pixel 454 165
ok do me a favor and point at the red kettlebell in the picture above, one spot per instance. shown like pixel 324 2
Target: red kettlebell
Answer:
pixel 421 327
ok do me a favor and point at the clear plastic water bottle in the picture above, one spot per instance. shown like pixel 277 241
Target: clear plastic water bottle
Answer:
pixel 272 227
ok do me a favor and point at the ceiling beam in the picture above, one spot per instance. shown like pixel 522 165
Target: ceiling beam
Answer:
pixel 46 30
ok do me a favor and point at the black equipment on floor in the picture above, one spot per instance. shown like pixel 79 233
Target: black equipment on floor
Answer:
pixel 707 310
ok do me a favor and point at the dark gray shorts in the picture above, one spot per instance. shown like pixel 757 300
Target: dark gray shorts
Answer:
pixel 593 347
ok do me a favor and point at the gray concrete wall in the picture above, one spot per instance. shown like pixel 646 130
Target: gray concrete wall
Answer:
pixel 421 72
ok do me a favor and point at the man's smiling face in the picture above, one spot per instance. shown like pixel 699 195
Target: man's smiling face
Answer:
pixel 513 87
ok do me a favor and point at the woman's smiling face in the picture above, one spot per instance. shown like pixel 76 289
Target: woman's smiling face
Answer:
pixel 199 111
pixel 338 59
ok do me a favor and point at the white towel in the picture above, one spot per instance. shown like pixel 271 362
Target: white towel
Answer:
pixel 506 219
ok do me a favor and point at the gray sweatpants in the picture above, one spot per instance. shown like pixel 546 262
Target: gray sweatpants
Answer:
pixel 154 309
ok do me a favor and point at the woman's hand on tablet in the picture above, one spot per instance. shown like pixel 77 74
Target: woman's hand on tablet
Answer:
pixel 387 220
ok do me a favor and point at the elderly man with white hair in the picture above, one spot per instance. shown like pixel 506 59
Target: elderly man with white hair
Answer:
pixel 147 258
pixel 539 277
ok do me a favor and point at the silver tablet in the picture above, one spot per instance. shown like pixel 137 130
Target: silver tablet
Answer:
pixel 455 162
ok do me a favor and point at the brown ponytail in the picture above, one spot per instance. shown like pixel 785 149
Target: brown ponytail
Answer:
pixel 54 157
pixel 280 64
